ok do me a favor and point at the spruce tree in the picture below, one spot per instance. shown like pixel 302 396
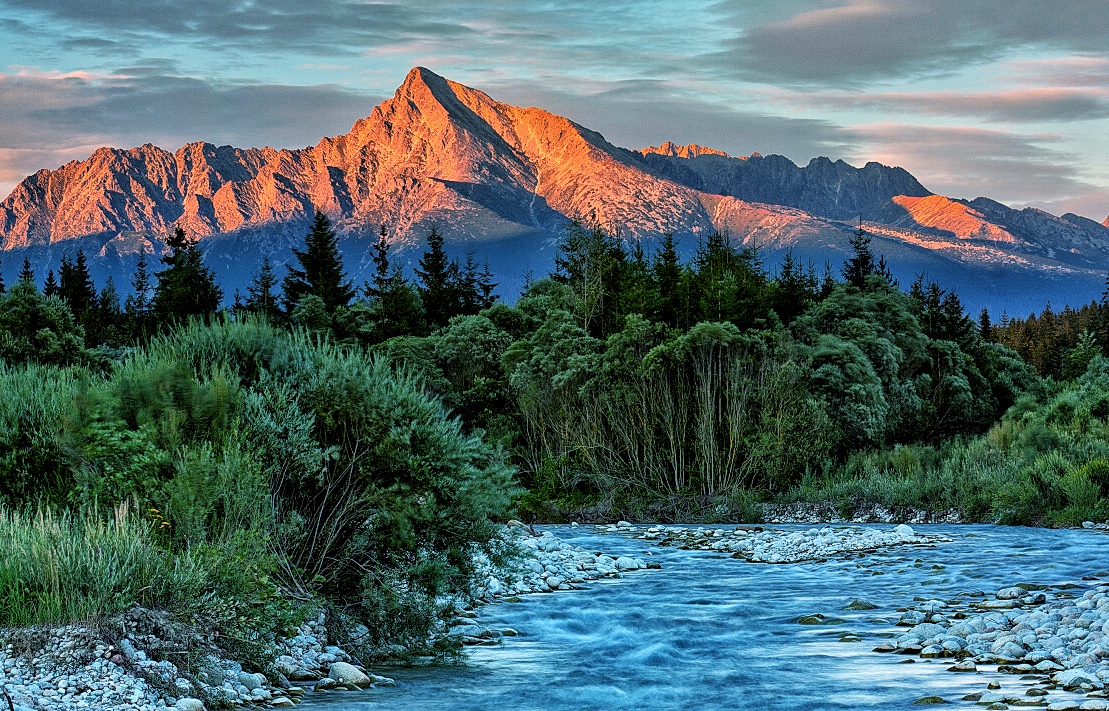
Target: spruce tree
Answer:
pixel 107 320
pixel 667 274
pixel 27 274
pixel 437 275
pixel 262 296
pixel 861 263
pixel 77 287
pixel 379 282
pixel 137 305
pixel 321 269
pixel 985 328
pixel 186 287
pixel 50 286
pixel 485 285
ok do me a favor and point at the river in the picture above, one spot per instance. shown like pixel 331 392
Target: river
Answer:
pixel 709 632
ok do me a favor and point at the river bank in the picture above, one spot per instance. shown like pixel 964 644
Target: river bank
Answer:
pixel 125 663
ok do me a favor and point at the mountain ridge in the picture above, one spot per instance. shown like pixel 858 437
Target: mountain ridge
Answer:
pixel 501 178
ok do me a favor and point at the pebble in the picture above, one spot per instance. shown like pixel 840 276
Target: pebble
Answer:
pixel 757 545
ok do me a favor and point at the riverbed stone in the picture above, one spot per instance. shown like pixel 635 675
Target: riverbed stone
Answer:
pixel 345 673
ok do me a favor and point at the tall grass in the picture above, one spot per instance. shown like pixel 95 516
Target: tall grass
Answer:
pixel 61 567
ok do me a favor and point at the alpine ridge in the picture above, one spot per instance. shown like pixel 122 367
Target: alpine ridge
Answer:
pixel 503 181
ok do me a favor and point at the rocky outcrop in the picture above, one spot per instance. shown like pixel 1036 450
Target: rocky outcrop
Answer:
pixel 440 153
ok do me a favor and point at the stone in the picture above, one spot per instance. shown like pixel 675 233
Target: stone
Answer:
pixel 964 666
pixel 625 563
pixel 861 604
pixel 345 673
pixel 1077 678
pixel 929 700
pixel 282 702
pixel 189 704
pixel 252 681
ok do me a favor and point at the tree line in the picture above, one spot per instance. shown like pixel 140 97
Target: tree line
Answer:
pixel 623 370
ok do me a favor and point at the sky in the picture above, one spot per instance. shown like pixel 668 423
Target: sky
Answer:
pixel 1003 98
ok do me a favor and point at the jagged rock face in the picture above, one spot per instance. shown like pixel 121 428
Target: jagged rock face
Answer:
pixel 824 188
pixel 436 152
pixel 439 153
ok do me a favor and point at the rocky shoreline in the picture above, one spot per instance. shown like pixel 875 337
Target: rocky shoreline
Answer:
pixel 1055 639
pixel 123 664
pixel 756 544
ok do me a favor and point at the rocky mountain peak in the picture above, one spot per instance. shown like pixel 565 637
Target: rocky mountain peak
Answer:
pixel 691 150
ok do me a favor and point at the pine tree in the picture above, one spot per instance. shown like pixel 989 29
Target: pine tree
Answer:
pixel 667 273
pixel 985 329
pixel 107 320
pixel 438 277
pixel 795 289
pixel 380 280
pixel 861 263
pixel 321 269
pixel 397 310
pixel 186 287
pixel 2 289
pixel 50 286
pixel 828 282
pixel 77 287
pixel 27 274
pixel 262 298
pixel 485 285
pixel 137 305
pixel 883 270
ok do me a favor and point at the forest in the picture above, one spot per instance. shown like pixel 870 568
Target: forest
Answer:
pixel 321 443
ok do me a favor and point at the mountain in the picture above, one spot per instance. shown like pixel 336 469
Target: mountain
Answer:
pixel 503 181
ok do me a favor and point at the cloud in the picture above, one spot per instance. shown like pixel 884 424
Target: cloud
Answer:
pixel 321 27
pixel 639 114
pixel 970 162
pixel 863 40
pixel 1025 105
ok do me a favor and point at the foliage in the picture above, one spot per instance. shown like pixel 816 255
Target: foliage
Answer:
pixel 38 329
pixel 321 269
pixel 186 287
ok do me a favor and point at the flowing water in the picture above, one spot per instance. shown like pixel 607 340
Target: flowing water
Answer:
pixel 710 632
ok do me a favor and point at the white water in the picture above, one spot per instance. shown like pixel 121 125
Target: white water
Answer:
pixel 710 632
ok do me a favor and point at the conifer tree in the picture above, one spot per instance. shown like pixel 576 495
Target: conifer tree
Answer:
pixel 485 285
pixel 985 328
pixel 321 269
pixel 50 286
pixel 137 306
pixel 437 275
pixel 379 282
pixel 107 319
pixel 186 287
pixel 667 273
pixel 77 287
pixel 26 273
pixel 262 297
pixel 828 282
pixel 861 263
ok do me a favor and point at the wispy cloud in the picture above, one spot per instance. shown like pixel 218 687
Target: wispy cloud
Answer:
pixel 972 162
pixel 1026 105
pixel 862 40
